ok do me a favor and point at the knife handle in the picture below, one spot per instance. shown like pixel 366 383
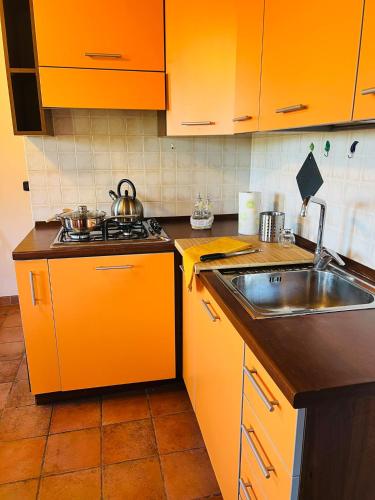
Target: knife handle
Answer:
pixel 212 256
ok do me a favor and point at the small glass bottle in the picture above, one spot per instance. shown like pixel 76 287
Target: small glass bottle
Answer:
pixel 286 238
pixel 202 217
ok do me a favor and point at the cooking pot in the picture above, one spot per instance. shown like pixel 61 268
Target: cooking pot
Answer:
pixel 128 207
pixel 81 220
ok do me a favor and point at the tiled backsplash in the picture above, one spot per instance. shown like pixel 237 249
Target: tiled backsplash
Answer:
pixel 349 187
pixel 93 150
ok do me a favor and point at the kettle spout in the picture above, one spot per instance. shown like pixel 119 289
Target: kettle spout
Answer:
pixel 113 195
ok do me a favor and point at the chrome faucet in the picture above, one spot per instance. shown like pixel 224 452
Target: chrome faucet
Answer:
pixel 323 256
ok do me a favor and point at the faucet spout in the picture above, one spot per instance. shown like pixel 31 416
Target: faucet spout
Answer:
pixel 323 209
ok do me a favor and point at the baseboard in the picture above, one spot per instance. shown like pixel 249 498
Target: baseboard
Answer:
pixel 9 300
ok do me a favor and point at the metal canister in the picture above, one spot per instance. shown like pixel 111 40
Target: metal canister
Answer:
pixel 270 226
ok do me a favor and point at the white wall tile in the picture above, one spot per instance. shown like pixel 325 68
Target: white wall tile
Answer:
pixel 93 149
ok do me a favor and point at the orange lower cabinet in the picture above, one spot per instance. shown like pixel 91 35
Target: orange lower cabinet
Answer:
pixel 114 318
pixel 219 357
pixel 38 326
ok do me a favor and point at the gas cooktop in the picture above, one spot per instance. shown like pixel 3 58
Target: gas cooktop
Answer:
pixel 114 230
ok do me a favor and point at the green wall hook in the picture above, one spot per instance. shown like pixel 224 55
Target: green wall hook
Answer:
pixel 312 147
pixel 327 148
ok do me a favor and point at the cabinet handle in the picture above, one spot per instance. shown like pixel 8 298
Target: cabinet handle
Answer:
pixel 181 268
pixel 266 469
pixel 368 91
pixel 290 109
pixel 103 54
pixel 206 305
pixel 112 268
pixel 242 118
pixel 244 486
pixel 188 124
pixel 268 403
pixel 32 288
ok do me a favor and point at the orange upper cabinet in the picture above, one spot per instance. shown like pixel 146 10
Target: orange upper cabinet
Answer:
pixel 115 34
pixel 364 106
pixel 200 65
pixel 310 53
pixel 114 318
pixel 248 66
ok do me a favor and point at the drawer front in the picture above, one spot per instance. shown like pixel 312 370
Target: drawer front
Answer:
pixel 283 423
pixel 249 488
pixel 266 465
pixel 108 89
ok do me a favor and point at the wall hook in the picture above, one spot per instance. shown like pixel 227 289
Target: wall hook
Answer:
pixel 312 147
pixel 327 148
pixel 352 149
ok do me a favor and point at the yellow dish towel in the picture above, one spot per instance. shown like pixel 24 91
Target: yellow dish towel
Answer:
pixel 192 255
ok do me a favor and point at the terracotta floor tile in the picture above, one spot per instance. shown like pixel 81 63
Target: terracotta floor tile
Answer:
pixel 128 441
pixel 11 351
pixel 20 460
pixel 81 485
pixel 24 422
pixel 75 415
pixel 11 334
pixel 178 432
pixel 134 480
pixel 8 371
pixel 125 407
pixel 4 392
pixel 24 490
pixel 72 451
pixel 188 475
pixel 169 400
pixel 13 318
pixel 23 373
pixel 20 394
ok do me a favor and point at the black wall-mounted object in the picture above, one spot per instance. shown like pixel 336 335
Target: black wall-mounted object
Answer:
pixel 26 186
pixel 309 178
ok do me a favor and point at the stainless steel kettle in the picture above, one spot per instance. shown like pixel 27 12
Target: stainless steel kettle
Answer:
pixel 128 207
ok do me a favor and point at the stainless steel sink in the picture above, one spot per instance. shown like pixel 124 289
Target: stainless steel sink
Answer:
pixel 299 291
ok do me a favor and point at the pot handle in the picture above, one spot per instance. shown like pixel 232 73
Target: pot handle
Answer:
pixel 113 195
pixel 126 181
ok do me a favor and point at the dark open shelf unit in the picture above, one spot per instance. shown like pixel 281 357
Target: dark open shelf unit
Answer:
pixel 29 118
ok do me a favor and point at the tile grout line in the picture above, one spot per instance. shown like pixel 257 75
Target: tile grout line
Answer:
pixel 44 453
pixel 156 441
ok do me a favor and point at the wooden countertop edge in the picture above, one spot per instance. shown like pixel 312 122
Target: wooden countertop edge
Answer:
pixel 244 324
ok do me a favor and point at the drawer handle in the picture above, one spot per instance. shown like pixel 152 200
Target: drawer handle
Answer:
pixel 181 268
pixel 368 91
pixel 266 469
pixel 290 109
pixel 103 54
pixel 269 404
pixel 113 268
pixel 206 305
pixel 189 124
pixel 32 288
pixel 244 486
pixel 242 118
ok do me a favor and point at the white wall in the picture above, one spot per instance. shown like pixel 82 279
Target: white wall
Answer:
pixel 93 150
pixel 349 187
pixel 15 210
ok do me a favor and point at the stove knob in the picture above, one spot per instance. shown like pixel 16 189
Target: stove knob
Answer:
pixel 155 226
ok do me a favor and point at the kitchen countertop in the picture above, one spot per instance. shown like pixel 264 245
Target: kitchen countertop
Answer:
pixel 312 358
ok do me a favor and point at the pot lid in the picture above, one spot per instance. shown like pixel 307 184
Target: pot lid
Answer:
pixel 82 213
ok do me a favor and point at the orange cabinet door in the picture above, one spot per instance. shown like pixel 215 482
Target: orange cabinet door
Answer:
pixel 310 52
pixel 114 318
pixel 364 105
pixel 79 88
pixel 248 65
pixel 219 391
pixel 38 326
pixel 200 64
pixel 116 34
pixel 189 342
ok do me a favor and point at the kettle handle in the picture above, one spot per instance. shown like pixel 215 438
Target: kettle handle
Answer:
pixel 126 181
pixel 113 195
